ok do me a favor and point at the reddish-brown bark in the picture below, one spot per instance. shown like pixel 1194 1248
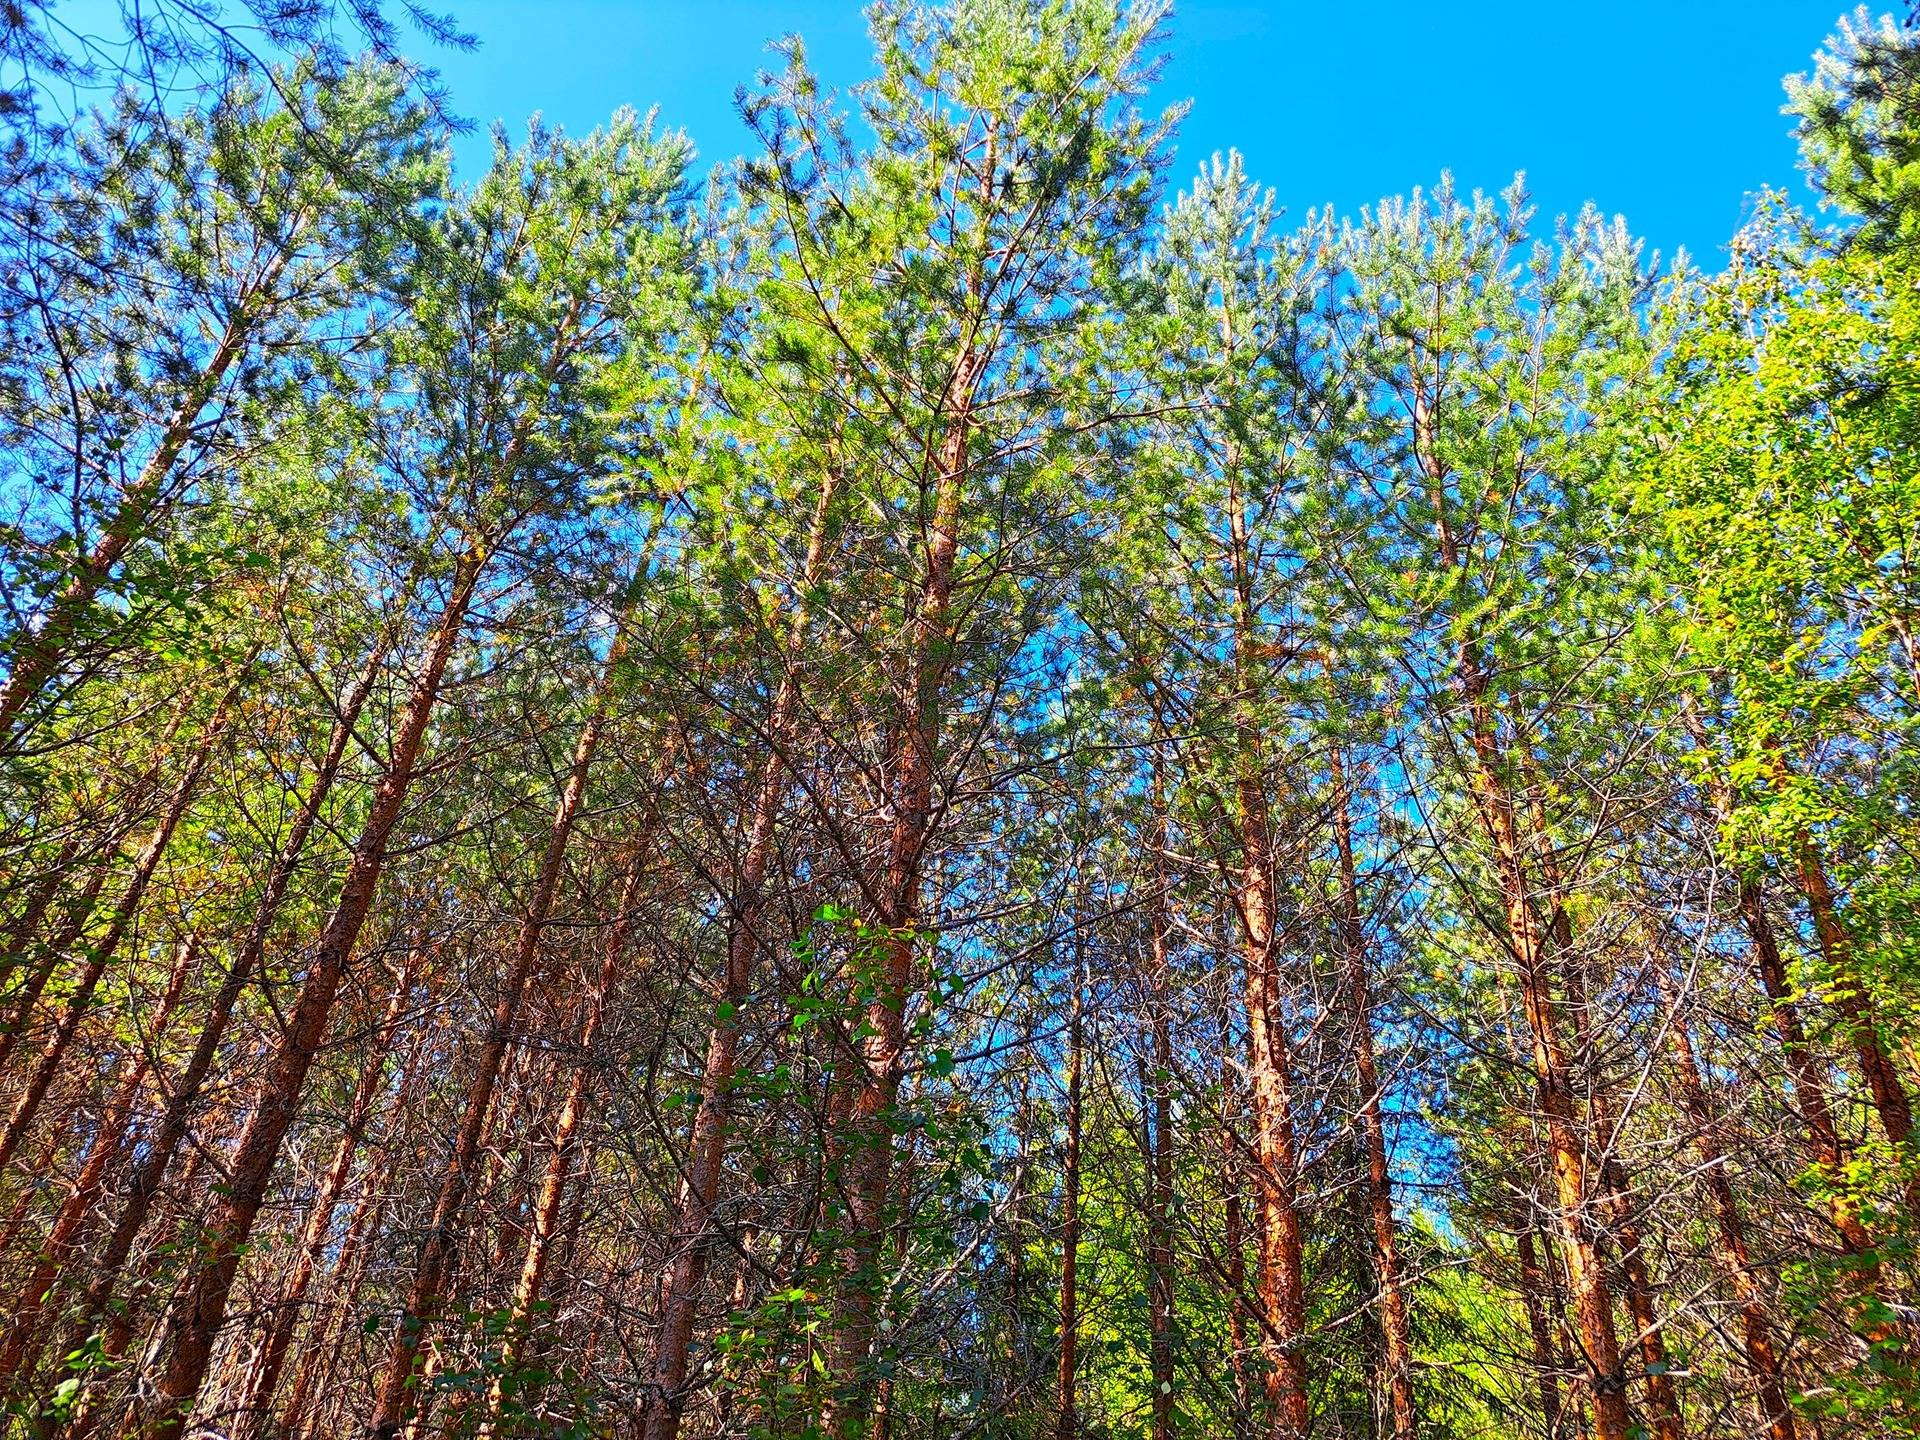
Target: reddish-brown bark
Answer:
pixel 544 1223
pixel 1066 1409
pixel 264 1375
pixel 1762 1354
pixel 398 1397
pixel 24 1334
pixel 200 1308
pixel 101 951
pixel 38 654
pixel 1396 1337
pixel 706 1150
pixel 184 1094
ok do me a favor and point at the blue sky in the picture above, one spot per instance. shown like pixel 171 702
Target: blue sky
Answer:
pixel 1667 113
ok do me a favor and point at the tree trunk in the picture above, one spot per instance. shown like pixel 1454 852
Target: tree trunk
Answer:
pixel 21 1349
pixel 1282 1285
pixel 1156 1101
pixel 318 1357
pixel 1616 1202
pixel 1066 1413
pixel 1235 1236
pixel 39 654
pixel 397 1398
pixel 285 1318
pixel 573 1108
pixel 74 926
pixel 1890 1100
pixel 707 1144
pixel 200 1309
pixel 869 1146
pixel 1534 1294
pixel 101 951
pixel 1756 1324
pixel 184 1095
pixel 25 926
pixel 1396 1339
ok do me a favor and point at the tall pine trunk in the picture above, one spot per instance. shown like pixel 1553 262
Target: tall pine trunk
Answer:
pixel 101 951
pixel 1066 1410
pixel 200 1309
pixel 1395 1332
pixel 39 653
pixel 899 912
pixel 1775 1410
pixel 707 1145
pixel 21 1348
pixel 184 1094
pixel 264 1376
pixel 1525 944
pixel 398 1396
pixel 543 1226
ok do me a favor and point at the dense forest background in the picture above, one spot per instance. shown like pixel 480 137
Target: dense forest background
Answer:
pixel 933 787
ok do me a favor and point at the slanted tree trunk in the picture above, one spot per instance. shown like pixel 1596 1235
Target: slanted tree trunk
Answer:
pixel 21 1348
pixel 1493 803
pixel 1890 1101
pixel 38 655
pixel 1156 1101
pixel 1823 1140
pixel 21 932
pixel 319 1357
pixel 1774 1410
pixel 78 914
pixel 544 1223
pixel 693 1230
pixel 100 952
pixel 200 1309
pixel 398 1397
pixel 264 1378
pixel 183 1096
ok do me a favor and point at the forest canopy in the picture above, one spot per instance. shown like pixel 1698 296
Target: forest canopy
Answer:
pixel 941 783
